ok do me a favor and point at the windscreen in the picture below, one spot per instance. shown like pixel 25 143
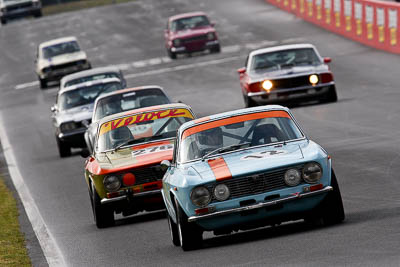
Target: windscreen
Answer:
pixel 237 132
pixel 127 101
pixel 284 59
pixel 85 95
pixel 141 128
pixel 59 49
pixel 189 23
pixel 94 77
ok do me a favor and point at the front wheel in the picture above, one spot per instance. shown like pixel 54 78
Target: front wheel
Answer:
pixel 3 21
pixel 173 228
pixel 103 216
pixel 171 54
pixel 332 211
pixel 43 83
pixel 64 150
pixel 248 102
pixel 190 236
pixel 38 14
pixel 216 49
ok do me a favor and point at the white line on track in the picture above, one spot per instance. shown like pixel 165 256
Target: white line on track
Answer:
pixel 26 85
pixel 181 67
pixel 48 244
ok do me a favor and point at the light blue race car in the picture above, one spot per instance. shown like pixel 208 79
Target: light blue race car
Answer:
pixel 245 169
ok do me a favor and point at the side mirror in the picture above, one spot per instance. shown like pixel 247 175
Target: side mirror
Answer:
pixel 53 108
pixel 85 153
pixel 165 164
pixel 327 60
pixel 241 70
pixel 180 101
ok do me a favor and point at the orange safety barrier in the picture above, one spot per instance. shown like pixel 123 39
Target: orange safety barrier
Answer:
pixel 373 23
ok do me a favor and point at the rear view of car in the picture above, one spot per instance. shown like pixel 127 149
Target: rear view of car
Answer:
pixel 10 9
pixel 190 32
pixel 59 57
pixel 73 112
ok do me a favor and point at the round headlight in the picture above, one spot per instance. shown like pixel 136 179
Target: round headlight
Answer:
pixel 176 42
pixel 312 172
pixel 210 36
pixel 111 183
pixel 313 79
pixel 292 177
pixel 267 85
pixel 200 196
pixel 221 192
pixel 68 126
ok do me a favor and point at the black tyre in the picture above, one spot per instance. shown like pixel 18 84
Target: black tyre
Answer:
pixel 173 228
pixel 248 102
pixel 190 235
pixel 103 215
pixel 331 210
pixel 171 54
pixel 38 14
pixel 216 49
pixel 43 83
pixel 331 96
pixel 3 21
pixel 64 150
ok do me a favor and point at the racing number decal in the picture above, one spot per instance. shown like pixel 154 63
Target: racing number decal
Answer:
pixel 264 154
pixel 155 149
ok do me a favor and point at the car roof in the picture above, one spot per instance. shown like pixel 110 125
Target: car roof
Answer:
pixel 58 41
pixel 228 114
pixel 142 110
pixel 279 48
pixel 127 90
pixel 187 15
pixel 87 73
pixel 88 83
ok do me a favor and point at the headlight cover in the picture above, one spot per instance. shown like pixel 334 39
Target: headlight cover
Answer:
pixel 177 42
pixel 68 126
pixel 221 192
pixel 210 36
pixel 267 85
pixel 312 172
pixel 111 183
pixel 200 196
pixel 313 79
pixel 292 177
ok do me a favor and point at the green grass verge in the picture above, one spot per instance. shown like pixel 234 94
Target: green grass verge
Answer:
pixel 73 6
pixel 13 251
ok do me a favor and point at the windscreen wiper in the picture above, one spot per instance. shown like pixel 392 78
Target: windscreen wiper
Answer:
pixel 225 149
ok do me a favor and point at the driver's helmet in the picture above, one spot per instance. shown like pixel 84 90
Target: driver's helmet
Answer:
pixel 209 140
pixel 111 107
pixel 120 135
pixel 73 97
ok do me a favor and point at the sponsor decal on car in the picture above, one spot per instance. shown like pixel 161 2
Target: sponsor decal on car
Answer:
pixel 264 154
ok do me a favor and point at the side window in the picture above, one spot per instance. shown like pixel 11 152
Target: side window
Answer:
pixel 247 61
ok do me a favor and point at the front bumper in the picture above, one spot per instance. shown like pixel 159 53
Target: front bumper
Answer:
pixel 153 193
pixel 21 12
pixel 196 46
pixel 74 138
pixel 260 205
pixel 56 75
pixel 285 95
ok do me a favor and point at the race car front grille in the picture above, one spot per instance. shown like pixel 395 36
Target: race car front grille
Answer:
pixel 148 174
pixel 19 6
pixel 254 184
pixel 66 65
pixel 195 39
pixel 287 83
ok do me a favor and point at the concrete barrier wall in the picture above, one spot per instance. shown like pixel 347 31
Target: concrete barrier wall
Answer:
pixel 373 23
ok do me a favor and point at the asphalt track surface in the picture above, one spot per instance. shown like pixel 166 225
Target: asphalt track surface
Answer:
pixel 360 132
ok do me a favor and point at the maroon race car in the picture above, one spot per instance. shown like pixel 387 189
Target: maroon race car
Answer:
pixel 190 32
